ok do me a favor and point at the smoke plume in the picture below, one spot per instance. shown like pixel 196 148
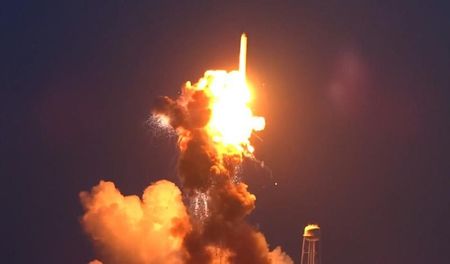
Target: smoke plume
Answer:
pixel 159 228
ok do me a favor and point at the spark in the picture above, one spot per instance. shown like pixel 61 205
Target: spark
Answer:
pixel 160 126
pixel 199 205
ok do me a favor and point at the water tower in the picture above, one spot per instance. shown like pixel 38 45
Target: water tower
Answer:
pixel 310 248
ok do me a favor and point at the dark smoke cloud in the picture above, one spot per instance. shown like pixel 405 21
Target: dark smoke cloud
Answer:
pixel 195 163
pixel 202 169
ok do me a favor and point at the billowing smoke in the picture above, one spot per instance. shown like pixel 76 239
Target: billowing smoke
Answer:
pixel 213 123
pixel 277 256
pixel 128 229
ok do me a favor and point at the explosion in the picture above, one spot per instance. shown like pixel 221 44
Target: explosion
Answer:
pixel 214 123
pixel 218 103
pixel 232 121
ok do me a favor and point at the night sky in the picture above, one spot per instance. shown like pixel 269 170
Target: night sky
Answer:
pixel 356 99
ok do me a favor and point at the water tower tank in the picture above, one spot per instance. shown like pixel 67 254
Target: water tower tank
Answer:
pixel 310 247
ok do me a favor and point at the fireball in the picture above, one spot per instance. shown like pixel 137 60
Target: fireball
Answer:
pixel 232 121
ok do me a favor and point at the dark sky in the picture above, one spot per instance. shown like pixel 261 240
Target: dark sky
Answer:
pixel 355 95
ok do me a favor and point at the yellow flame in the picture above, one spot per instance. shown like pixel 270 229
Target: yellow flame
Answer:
pixel 232 121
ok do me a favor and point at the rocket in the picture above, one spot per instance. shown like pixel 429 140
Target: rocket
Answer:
pixel 243 55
